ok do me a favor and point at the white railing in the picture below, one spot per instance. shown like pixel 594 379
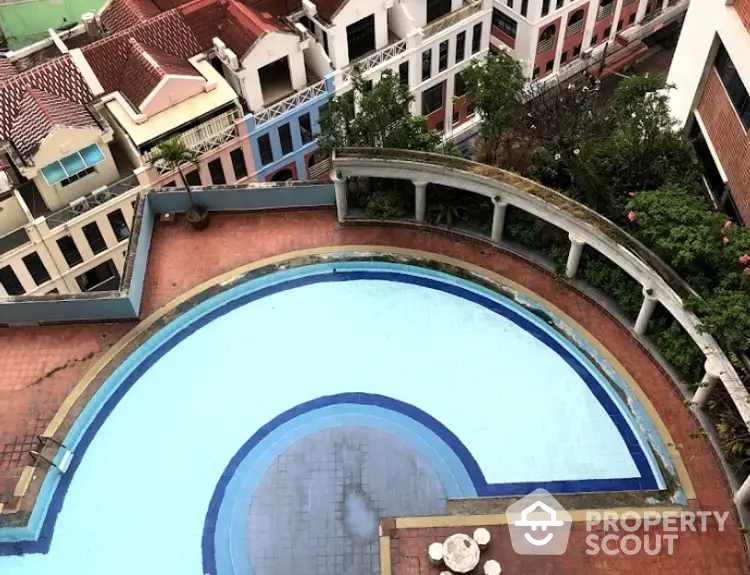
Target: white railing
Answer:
pixel 583 226
pixel 373 60
pixel 288 104
pixel 450 19
pixel 206 136
pixel 605 11
pixel 545 45
pixel 320 169
pixel 89 202
pixel 574 29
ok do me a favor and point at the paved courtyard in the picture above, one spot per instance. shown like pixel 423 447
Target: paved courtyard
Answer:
pixel 42 364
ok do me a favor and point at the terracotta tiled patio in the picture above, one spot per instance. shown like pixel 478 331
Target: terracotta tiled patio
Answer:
pixel 40 365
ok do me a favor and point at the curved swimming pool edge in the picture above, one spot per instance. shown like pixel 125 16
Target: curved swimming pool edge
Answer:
pixel 292 263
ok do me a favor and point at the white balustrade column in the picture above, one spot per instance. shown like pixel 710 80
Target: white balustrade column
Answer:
pixel 3 293
pixel 498 219
pixel 743 493
pixel 420 200
pixel 574 255
pixel 647 310
pixel 708 384
pixel 339 185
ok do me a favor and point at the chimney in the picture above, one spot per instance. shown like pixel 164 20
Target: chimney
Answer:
pixel 89 23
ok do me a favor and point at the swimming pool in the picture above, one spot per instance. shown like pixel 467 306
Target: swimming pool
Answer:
pixel 277 420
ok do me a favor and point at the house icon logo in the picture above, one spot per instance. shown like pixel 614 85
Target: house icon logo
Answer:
pixel 538 525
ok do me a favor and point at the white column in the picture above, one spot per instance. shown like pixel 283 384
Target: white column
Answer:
pixel 420 200
pixel 339 185
pixel 641 12
pixel 743 493
pixel 102 221
pixel 708 383
pixel 498 219
pixel 574 256
pixel 647 310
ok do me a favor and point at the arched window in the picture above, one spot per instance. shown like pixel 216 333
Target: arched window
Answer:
pixel 282 175
pixel 576 17
pixel 548 33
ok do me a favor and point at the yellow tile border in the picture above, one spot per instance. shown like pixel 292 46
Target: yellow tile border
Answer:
pixel 577 516
pixel 144 325
pixel 23 482
pixel 385 555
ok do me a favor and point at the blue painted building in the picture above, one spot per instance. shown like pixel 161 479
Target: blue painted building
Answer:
pixel 284 147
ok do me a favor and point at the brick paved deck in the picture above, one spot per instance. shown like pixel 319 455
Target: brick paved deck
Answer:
pixel 40 365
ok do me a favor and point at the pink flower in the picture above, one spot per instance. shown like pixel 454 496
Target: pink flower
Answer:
pixel 726 240
pixel 728 224
pixel 744 259
pixel 631 194
pixel 746 271
pixel 631 216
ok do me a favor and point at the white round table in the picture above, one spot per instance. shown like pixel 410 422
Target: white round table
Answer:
pixel 460 553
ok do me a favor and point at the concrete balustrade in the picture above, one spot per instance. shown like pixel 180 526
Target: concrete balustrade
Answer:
pixel 585 227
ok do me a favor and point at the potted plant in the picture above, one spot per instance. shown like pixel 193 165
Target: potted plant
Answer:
pixel 173 153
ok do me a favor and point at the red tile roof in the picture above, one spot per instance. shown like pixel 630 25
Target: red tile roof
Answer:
pixel 236 24
pixel 145 67
pixel 7 69
pixel 58 96
pixel 121 14
pixel 39 113
pixel 167 32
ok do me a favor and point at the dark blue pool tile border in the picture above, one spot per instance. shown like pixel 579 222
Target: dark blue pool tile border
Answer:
pixel 646 481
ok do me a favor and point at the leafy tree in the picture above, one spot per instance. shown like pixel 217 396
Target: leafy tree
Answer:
pixel 375 116
pixel 635 146
pixel 174 153
pixel 494 85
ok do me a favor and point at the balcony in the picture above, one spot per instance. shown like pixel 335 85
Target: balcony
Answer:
pixel 319 170
pixel 91 201
pixel 545 45
pixel 574 29
pixel 288 104
pixel 451 19
pixel 207 135
pixel 628 2
pixel 605 11
pixel 374 60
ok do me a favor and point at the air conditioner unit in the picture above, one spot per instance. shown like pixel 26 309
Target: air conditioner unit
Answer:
pixel 221 48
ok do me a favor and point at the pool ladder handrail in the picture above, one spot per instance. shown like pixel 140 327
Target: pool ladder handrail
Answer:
pixel 62 467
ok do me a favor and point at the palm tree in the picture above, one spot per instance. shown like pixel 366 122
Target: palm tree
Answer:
pixel 174 153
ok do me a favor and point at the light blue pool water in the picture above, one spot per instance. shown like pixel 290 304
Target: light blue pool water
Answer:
pixel 291 411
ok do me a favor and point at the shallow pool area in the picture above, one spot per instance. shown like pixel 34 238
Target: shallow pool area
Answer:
pixel 274 423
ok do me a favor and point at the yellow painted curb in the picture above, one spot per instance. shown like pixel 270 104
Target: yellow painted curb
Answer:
pixel 577 516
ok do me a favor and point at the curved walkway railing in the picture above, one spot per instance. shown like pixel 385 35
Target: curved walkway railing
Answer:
pixel 585 227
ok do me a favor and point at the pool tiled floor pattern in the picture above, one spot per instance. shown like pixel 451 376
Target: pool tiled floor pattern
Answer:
pixel 331 487
pixel 40 365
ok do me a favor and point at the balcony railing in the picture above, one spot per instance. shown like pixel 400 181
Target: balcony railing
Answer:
pixel 605 11
pixel 373 60
pixel 86 203
pixel 450 19
pixel 287 104
pixel 574 29
pixel 545 45
pixel 318 170
pixel 208 135
pixel 628 2
pixel 13 240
